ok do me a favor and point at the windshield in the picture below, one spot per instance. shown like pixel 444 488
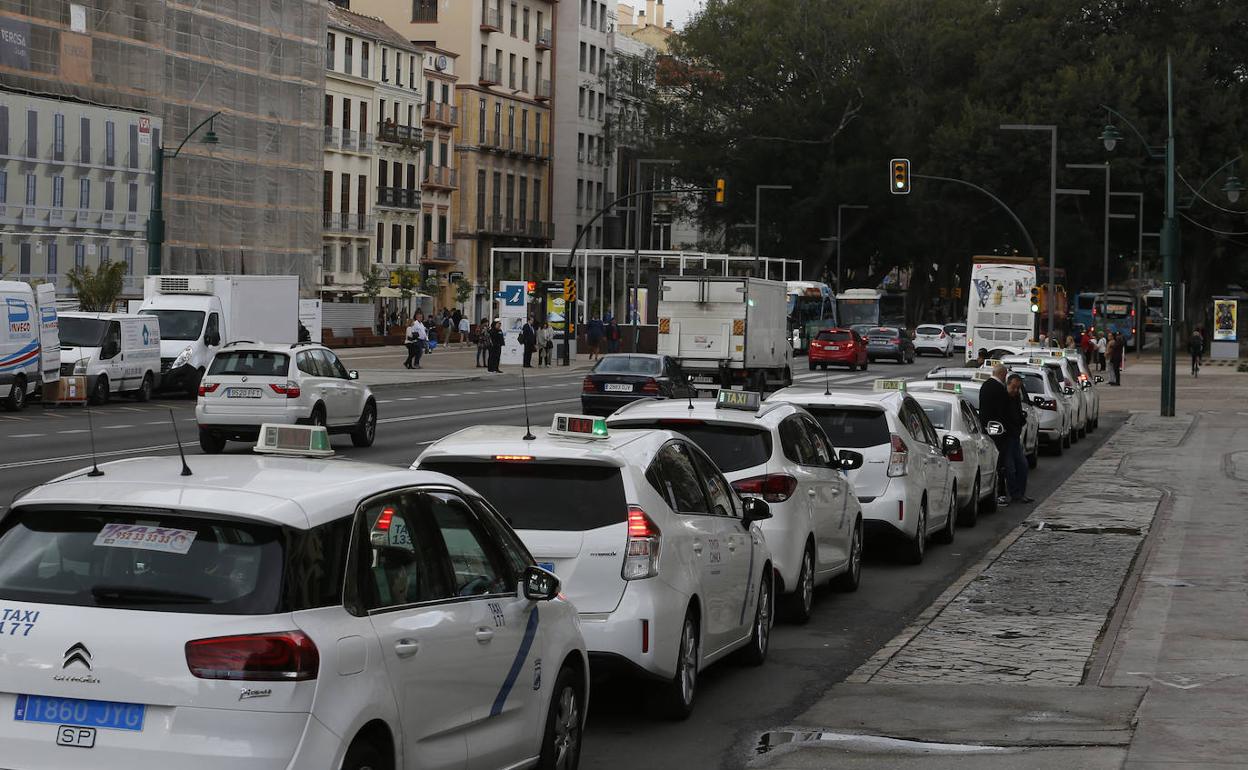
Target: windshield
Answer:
pixel 178 324
pixel 834 336
pixel 893 309
pixel 82 332
pixel 1034 383
pixel 629 365
pixel 258 363
pixel 850 428
pixel 858 311
pixel 956 328
pixel 932 330
pixel 937 411
pixel 547 496
pixel 730 447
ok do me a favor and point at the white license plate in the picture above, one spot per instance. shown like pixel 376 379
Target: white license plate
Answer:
pixel 243 393
pixel 834 347
pixel 618 387
pixel 702 378
pixel 72 735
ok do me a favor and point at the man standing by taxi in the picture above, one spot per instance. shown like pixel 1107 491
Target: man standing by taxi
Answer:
pixel 1015 458
pixel 993 406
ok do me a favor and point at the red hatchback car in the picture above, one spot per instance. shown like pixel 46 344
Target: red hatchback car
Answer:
pixel 842 347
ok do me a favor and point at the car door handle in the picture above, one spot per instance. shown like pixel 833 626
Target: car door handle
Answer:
pixel 732 544
pixel 697 547
pixel 485 635
pixel 812 493
pixel 406 648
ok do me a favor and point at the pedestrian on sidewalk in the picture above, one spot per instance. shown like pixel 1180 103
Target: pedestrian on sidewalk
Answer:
pixel 1102 349
pixel 545 343
pixel 994 406
pixel 613 335
pixel 416 336
pixel 1016 458
pixel 593 337
pixel 1196 346
pixel 1116 348
pixel 483 343
pixel 496 347
pixel 528 340
pixel 463 327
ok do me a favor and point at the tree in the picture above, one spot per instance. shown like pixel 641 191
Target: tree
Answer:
pixel 463 293
pixel 405 281
pixel 97 291
pixel 373 283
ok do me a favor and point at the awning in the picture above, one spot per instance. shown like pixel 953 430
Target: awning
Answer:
pixel 388 292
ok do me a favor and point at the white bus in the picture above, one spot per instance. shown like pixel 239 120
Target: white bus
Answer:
pixel 811 308
pixel 998 311
pixel 871 306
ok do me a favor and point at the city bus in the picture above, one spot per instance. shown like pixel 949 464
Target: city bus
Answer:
pixel 1114 311
pixel 998 311
pixel 871 306
pixel 811 308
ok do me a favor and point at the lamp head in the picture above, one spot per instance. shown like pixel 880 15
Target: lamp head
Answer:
pixel 1110 136
pixel 210 136
pixel 1233 188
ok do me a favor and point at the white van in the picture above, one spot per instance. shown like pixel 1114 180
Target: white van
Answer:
pixel 28 342
pixel 117 353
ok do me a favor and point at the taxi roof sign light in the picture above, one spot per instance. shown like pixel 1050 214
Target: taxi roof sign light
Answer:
pixel 744 400
pixel 294 440
pixel 889 385
pixel 1036 361
pixel 579 426
pixel 993 362
pixel 981 376
pixel 949 387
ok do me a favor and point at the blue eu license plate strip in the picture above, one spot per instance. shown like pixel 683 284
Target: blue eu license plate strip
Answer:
pixel 80 713
pixel 549 566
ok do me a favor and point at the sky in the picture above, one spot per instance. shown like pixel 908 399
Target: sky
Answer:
pixel 676 11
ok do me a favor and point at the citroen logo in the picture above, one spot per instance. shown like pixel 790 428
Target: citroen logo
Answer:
pixel 77 654
pixel 244 378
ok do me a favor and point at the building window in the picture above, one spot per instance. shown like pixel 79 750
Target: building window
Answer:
pixel 344 260
pixel 498 120
pixel 513 19
pixel 481 200
pixel 4 186
pixel 23 265
pixel 525 26
pixel 584 12
pixel 132 203
pixel 381 236
pixel 84 140
pixel 428 223
pixel 511 124
pixel 31 189
pixel 446 93
pixel 344 195
pixel 481 124
pixel 329 110
pixel 327 194
pixel 511 71
pixel 4 129
pixel 84 193
pixel 327 257
pixel 361 199
pixel 398 68
pixel 524 197
pixel 411 72
pixel 411 244
pixel 537 200
pixel 497 208
pixel 105 255
pixel 133 160
pixel 524 74
pixel 364 59
pixel 537 129
pixel 110 153
pixel 127 253
pixel 53 250
pixel 580 194
pixel 58 192
pixel 444 153
pixel 110 194
pixel 385 64
pixel 428 90
pixel 80 256
pixel 396 242
pixel 584 51
pixel 58 137
pixel 511 196
pixel 346 114
pixel 32 134
pixel 425 10
pixel 348 45
pixel 329 51
pixel 524 128
pixel 363 119
pixel 446 236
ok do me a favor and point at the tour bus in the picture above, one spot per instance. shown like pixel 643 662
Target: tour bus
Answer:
pixel 998 311
pixel 811 307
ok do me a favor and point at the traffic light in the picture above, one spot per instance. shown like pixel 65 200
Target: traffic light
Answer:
pixel 569 290
pixel 531 287
pixel 721 191
pixel 1035 299
pixel 900 168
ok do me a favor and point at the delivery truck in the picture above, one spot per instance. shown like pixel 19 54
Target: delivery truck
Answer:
pixel 117 353
pixel 30 357
pixel 200 313
pixel 727 332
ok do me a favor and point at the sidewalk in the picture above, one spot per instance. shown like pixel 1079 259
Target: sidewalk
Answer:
pixel 383 366
pixel 1110 629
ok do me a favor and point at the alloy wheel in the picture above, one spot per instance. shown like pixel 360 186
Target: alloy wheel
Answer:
pixel 567 728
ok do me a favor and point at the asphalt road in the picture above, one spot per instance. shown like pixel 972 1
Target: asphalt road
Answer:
pixel 734 704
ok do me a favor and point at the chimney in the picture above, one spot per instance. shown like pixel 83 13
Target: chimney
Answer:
pixel 650 11
pixel 669 25
pixel 641 19
pixel 658 14
pixel 625 13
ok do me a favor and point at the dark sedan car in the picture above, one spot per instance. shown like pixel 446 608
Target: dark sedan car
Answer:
pixel 621 378
pixel 890 342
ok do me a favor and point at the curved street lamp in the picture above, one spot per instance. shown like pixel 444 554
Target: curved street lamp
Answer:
pixel 1233 188
pixel 156 217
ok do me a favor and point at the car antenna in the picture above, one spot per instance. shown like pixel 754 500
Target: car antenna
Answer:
pixel 95 466
pixel 827 384
pixel 524 390
pixel 186 469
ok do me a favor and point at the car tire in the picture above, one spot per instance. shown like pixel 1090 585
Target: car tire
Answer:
pixel 864 365
pixel 755 653
pixel 946 535
pixel 16 400
pixel 674 699
pixel 318 416
pixel 849 580
pixel 799 605
pixel 565 723
pixel 144 393
pixel 916 547
pixel 211 443
pixel 192 389
pixel 969 516
pixel 1057 446
pixel 99 394
pixel 901 358
pixel 365 431
pixel 811 364
pixel 365 756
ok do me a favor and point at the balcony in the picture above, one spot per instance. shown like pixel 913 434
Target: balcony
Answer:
pixel 540 230
pixel 408 136
pixel 442 253
pixel 398 198
pixel 441 114
pixel 346 222
pixel 543 91
pixel 491 19
pixel 491 75
pixel 347 140
pixel 518 228
pixel 545 41
pixel 441 177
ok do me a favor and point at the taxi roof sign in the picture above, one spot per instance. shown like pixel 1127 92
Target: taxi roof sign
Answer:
pixel 949 387
pixel 889 385
pixel 981 376
pixel 991 362
pixel 578 426
pixel 745 400
pixel 293 440
pixel 1035 361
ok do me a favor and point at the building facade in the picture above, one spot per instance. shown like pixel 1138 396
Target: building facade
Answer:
pixel 75 189
pixel 247 204
pixel 371 197
pixel 443 270
pixel 503 138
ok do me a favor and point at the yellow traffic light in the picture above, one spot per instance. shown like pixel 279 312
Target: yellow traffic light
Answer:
pixel 569 290
pixel 900 168
pixel 1035 299
pixel 721 191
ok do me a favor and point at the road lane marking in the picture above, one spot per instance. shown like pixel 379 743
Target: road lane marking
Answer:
pixel 460 412
pixel 77 430
pixel 26 435
pixel 116 427
pixel 85 457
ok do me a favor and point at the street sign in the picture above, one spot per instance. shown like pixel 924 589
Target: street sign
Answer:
pixel 512 295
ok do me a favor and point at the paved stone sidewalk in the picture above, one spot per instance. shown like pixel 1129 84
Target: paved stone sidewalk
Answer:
pixel 1034 616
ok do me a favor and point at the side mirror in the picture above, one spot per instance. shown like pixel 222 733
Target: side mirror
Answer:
pixel 1099 379
pixel 950 445
pixel 540 585
pixel 850 460
pixel 212 339
pixel 753 510
pixel 995 428
pixel 353 374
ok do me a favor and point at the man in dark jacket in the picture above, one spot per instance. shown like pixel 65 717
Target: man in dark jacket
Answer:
pixel 496 347
pixel 994 406
pixel 1015 458
pixel 528 339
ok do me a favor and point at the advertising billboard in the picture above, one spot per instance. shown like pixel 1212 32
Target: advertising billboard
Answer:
pixel 1225 320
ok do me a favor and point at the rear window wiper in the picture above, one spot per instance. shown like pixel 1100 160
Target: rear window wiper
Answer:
pixel 110 594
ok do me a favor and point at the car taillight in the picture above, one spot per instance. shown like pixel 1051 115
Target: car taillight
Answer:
pixel 289 390
pixel 942 335
pixel 955 457
pixel 1047 403
pixel 896 340
pixel 897 456
pixel 641 554
pixel 651 386
pixel 587 386
pixel 816 345
pixel 774 487
pixel 208 387
pixel 289 656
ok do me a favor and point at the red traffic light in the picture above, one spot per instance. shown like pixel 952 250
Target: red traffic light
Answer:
pixel 531 286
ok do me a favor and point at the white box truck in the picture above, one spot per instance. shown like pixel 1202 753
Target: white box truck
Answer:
pixel 117 353
pixel 727 332
pixel 30 356
pixel 200 313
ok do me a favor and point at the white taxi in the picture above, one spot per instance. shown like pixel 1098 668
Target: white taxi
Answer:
pixel 662 560
pixel 249 384
pixel 279 612
pixel 1053 409
pixel 906 488
pixel 973 457
pixel 1068 386
pixel 972 381
pixel 778 452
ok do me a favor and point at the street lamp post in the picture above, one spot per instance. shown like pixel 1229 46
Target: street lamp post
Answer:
pixel 1052 130
pixel 156 218
pixel 636 319
pixel 1105 245
pixel 758 222
pixel 840 239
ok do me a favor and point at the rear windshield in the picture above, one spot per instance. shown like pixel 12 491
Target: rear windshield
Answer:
pixel 258 363
pixel 884 331
pixel 168 562
pixel 929 330
pixel 730 447
pixel 849 428
pixel 629 365
pixel 937 411
pixel 956 328
pixel 536 495
pixel 81 332
pixel 833 336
